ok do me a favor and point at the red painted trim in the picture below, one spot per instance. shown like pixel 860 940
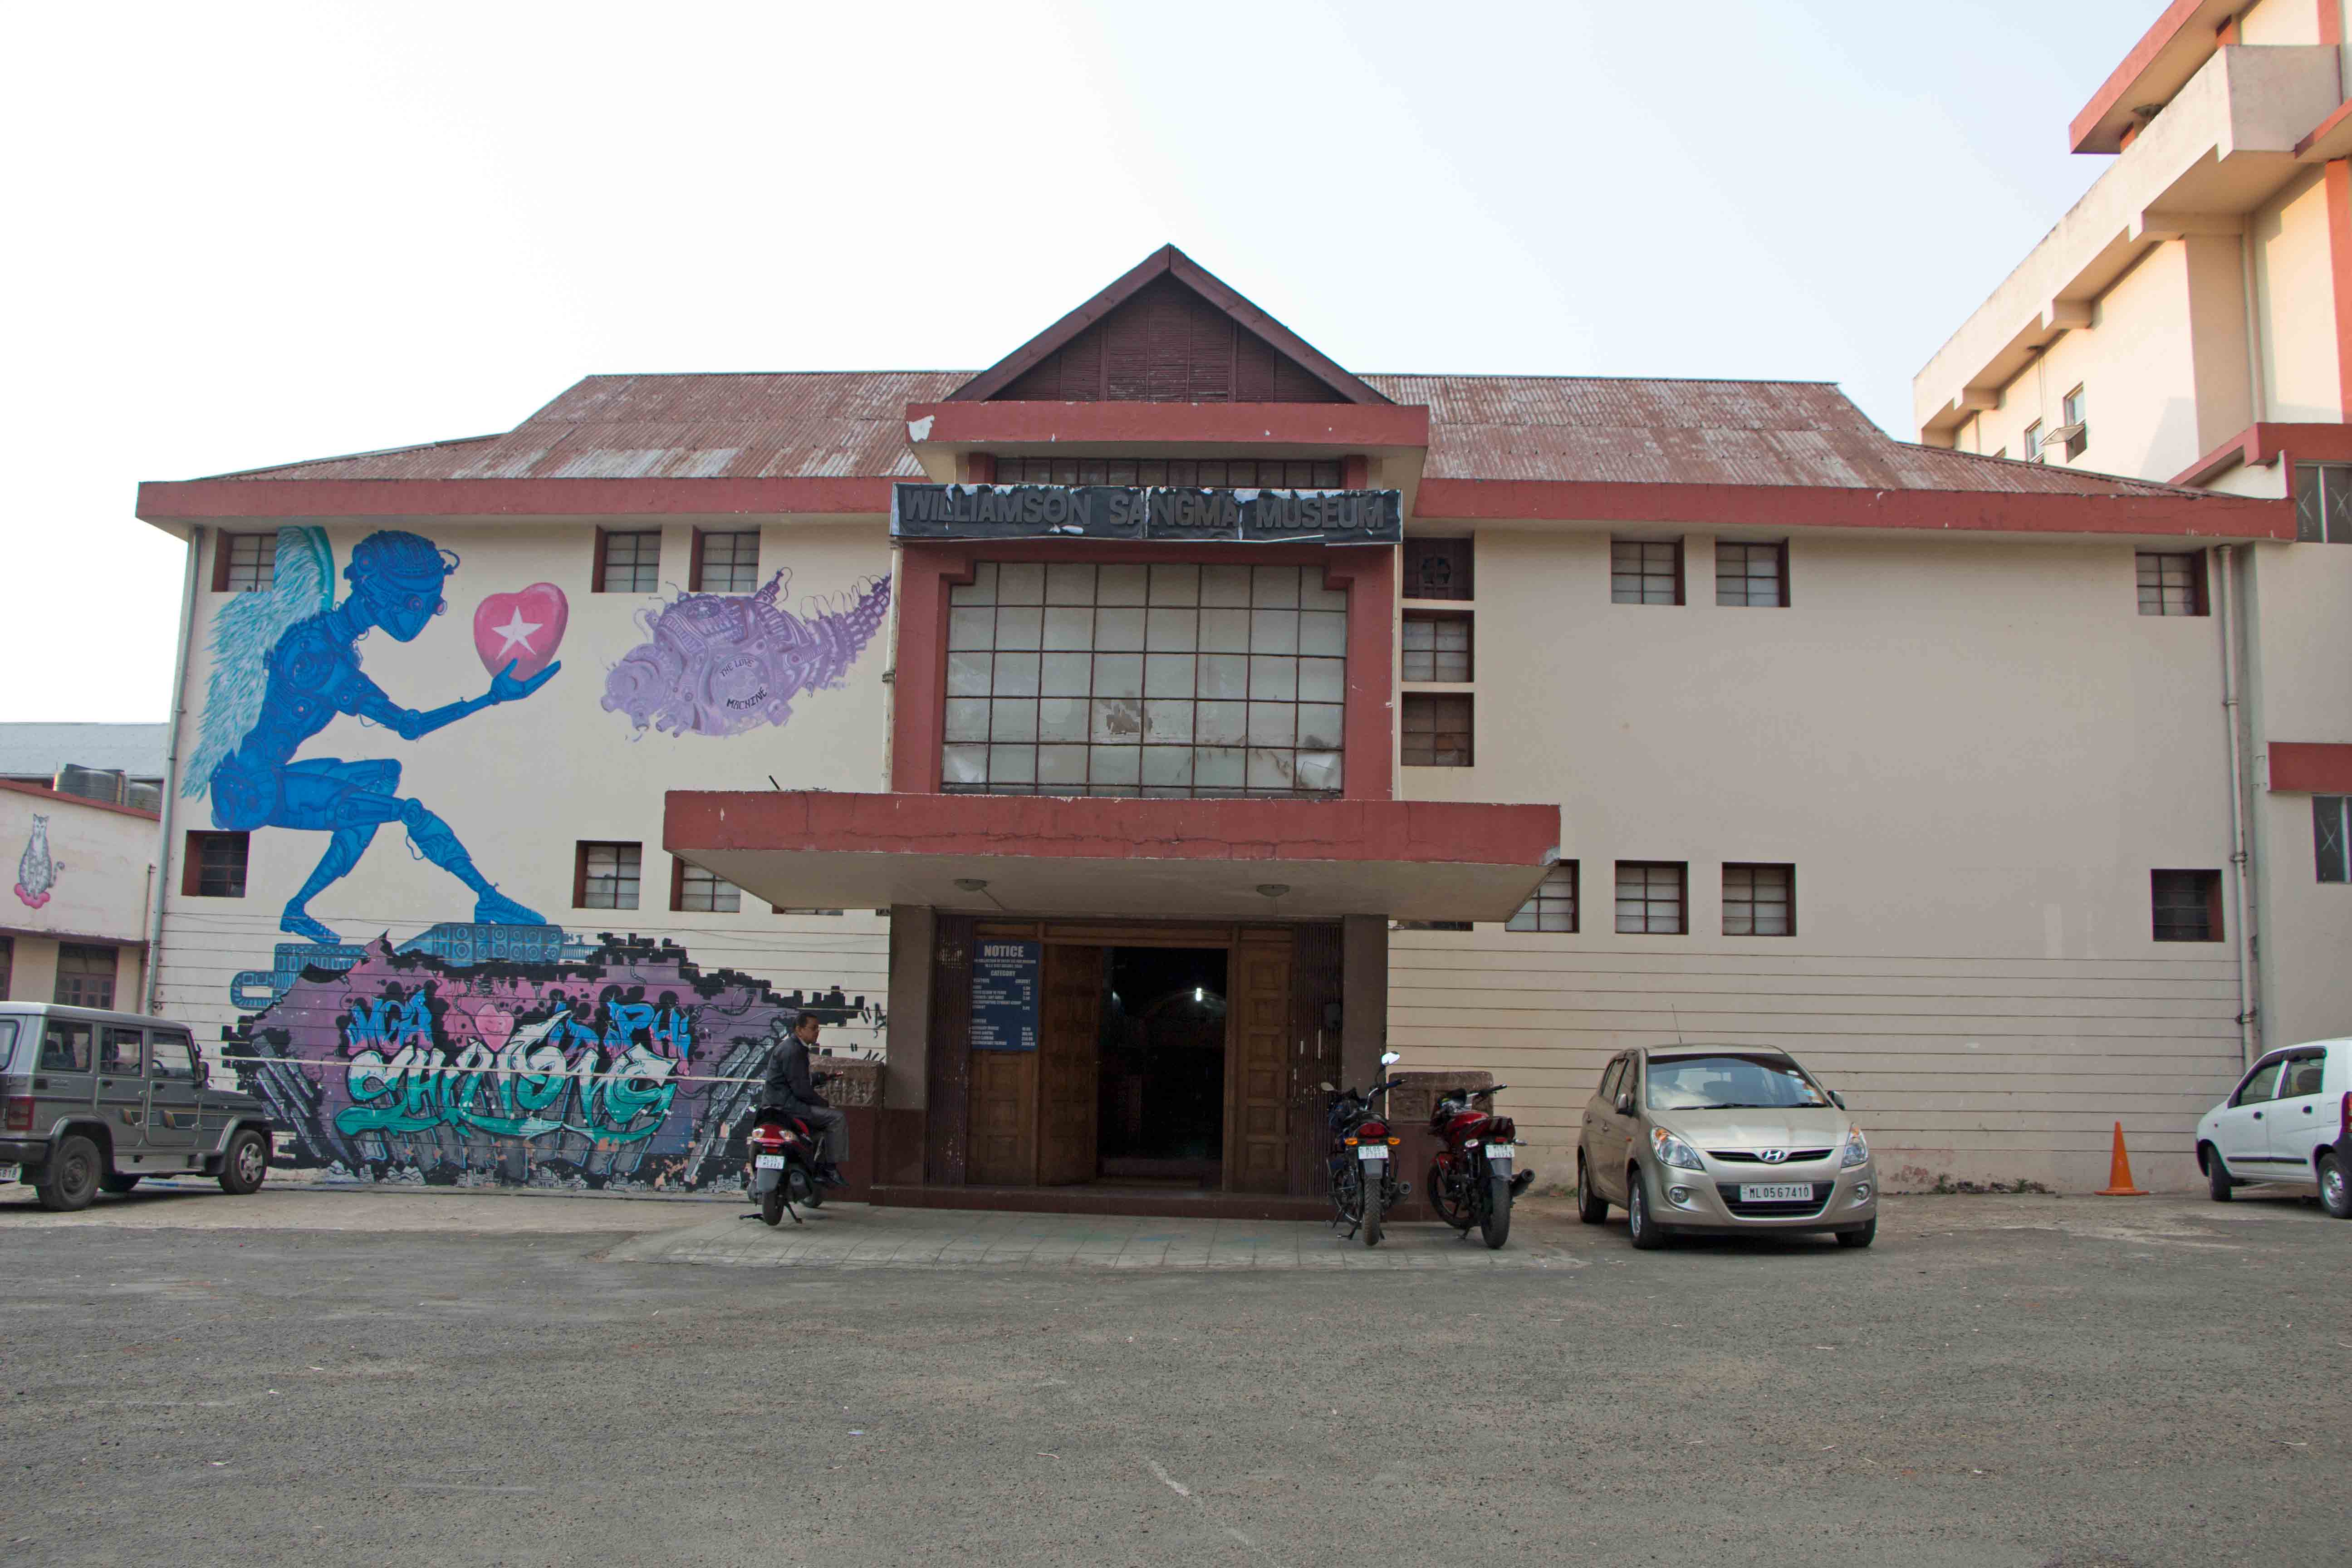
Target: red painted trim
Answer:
pixel 203 501
pixel 1355 472
pixel 1366 574
pixel 2268 443
pixel 1801 507
pixel 2331 23
pixel 1227 425
pixel 2339 181
pixel 2299 767
pixel 1419 832
pixel 47 793
pixel 2124 79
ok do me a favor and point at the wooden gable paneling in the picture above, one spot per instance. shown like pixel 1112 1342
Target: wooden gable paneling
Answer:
pixel 1167 344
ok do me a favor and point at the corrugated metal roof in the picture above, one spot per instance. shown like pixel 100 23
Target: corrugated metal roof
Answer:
pixel 852 424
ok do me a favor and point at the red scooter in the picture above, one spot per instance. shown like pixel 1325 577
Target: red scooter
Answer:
pixel 783 1163
pixel 1472 1181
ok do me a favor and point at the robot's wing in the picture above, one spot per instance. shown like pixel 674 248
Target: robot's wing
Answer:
pixel 244 631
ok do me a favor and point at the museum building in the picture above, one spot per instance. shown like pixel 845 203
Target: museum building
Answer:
pixel 1124 741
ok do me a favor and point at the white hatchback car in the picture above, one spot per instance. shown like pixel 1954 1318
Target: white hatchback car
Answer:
pixel 2289 1120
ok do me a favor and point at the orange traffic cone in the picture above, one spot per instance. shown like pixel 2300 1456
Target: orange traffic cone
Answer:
pixel 2119 1182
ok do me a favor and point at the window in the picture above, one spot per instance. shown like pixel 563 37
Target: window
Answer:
pixel 1436 648
pixel 120 1052
pixel 1553 908
pixel 2076 412
pixel 695 888
pixel 1437 569
pixel 2323 503
pixel 65 1046
pixel 1645 571
pixel 85 975
pixel 245 564
pixel 604 876
pixel 628 563
pixel 171 1057
pixel 1436 730
pixel 2032 442
pixel 1133 680
pixel 1432 925
pixel 2261 1085
pixel 213 866
pixel 2188 905
pixel 2303 1075
pixel 726 563
pixel 1751 574
pixel 1650 898
pixel 1759 900
pixel 2330 822
pixel 2171 582
pixel 1613 1080
pixel 1185 473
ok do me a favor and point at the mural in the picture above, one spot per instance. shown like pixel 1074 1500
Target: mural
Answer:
pixel 36 872
pixel 720 664
pixel 285 662
pixel 620 1065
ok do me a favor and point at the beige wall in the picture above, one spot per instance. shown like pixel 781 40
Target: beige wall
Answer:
pixel 2298 306
pixel 1972 751
pixel 2280 21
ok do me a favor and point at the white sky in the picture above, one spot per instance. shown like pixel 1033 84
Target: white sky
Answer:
pixel 245 234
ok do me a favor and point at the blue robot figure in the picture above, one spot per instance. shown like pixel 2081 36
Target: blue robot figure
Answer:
pixel 285 664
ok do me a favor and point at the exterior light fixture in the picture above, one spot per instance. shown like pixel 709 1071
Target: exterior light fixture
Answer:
pixel 972 884
pixel 1196 994
pixel 1274 889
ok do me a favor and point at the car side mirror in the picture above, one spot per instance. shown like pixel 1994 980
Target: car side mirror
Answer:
pixel 1624 1105
pixel 1837 1099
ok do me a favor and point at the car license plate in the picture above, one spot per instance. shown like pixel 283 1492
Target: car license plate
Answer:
pixel 768 1161
pixel 11 1172
pixel 1372 1151
pixel 1778 1193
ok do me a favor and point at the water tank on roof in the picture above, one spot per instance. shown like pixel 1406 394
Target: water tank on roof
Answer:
pixel 108 784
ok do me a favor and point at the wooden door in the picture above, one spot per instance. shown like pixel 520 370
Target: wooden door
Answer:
pixel 1257 1070
pixel 1004 1118
pixel 1069 1062
pixel 1314 1052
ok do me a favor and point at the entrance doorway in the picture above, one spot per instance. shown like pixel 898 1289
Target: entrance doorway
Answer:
pixel 1161 1115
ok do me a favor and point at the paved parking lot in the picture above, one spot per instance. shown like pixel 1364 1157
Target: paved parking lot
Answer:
pixel 311 1378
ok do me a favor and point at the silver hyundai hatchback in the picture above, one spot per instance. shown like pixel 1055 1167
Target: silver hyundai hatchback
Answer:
pixel 1722 1138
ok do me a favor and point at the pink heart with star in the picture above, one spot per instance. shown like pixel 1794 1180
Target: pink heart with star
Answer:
pixel 523 629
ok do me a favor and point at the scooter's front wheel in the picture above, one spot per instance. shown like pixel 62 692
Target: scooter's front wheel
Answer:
pixel 1495 1224
pixel 1373 1172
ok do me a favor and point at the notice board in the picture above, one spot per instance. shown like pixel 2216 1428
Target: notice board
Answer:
pixel 1004 994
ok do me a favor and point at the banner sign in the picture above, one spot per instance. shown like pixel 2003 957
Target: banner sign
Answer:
pixel 1004 994
pixel 1157 512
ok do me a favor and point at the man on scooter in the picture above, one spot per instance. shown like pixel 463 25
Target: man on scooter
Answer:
pixel 790 1089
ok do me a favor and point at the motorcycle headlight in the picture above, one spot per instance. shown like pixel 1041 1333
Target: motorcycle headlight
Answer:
pixel 1857 1148
pixel 1672 1151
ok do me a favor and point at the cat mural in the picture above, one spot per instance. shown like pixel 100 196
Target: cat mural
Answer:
pixel 36 873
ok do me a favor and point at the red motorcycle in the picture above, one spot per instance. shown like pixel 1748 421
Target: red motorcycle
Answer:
pixel 1472 1181
pixel 783 1163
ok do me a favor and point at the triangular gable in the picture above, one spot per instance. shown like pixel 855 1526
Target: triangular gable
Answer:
pixel 1167 331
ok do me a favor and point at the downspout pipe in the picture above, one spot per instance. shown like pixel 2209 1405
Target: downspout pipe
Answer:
pixel 154 986
pixel 2240 862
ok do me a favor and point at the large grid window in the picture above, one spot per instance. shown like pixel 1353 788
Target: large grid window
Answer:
pixel 1073 679
pixel 726 563
pixel 1645 571
pixel 1650 901
pixel 629 563
pixel 1752 575
pixel 2331 832
pixel 1436 730
pixel 1437 569
pixel 246 563
pixel 2187 904
pixel 2171 582
pixel 85 975
pixel 697 888
pixel 1436 648
pixel 2323 503
pixel 1184 473
pixel 1759 900
pixel 1553 908
pixel 605 876
pixel 213 866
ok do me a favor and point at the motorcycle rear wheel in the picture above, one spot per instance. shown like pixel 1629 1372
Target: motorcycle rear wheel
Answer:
pixel 1458 1216
pixel 772 1204
pixel 1495 1224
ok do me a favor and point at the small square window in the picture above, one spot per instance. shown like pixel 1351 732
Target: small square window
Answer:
pixel 1436 730
pixel 696 888
pixel 1753 575
pixel 1759 900
pixel 2187 904
pixel 726 563
pixel 2323 503
pixel 85 975
pixel 2330 822
pixel 628 563
pixel 2171 583
pixel 1645 571
pixel 1437 569
pixel 1650 901
pixel 605 876
pixel 1436 648
pixel 213 866
pixel 245 564
pixel 1553 907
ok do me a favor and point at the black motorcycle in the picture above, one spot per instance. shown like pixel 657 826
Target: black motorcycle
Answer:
pixel 783 1163
pixel 1362 1150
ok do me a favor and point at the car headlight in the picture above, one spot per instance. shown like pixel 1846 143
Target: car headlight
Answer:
pixel 1857 1148
pixel 1672 1151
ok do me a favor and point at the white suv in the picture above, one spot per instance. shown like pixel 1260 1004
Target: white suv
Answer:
pixel 2288 1121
